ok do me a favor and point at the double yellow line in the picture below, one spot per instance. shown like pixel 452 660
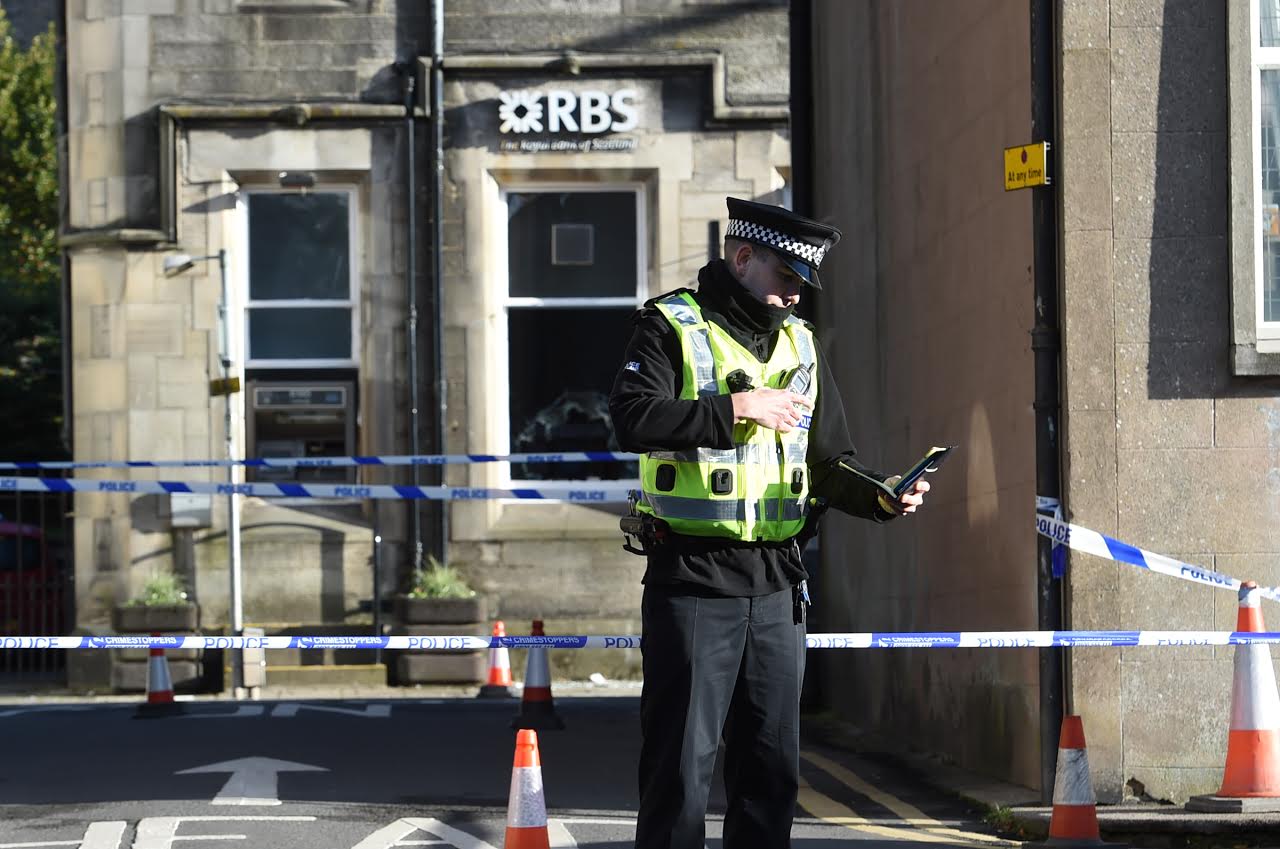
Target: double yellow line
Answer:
pixel 916 824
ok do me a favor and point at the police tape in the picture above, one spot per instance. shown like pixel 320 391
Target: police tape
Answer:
pixel 326 462
pixel 864 640
pixel 575 492
pixel 1084 540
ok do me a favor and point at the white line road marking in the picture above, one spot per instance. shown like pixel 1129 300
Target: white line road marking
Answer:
pixel 43 709
pixel 288 710
pixel 99 835
pixel 254 781
pixel 162 832
pixel 394 835
pixel 241 712
pixel 560 838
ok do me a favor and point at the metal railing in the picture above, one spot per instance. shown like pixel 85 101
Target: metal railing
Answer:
pixel 37 594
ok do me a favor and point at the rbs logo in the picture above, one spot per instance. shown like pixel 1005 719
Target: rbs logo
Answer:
pixel 588 112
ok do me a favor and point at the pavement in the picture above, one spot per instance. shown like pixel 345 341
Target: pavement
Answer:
pixel 1015 811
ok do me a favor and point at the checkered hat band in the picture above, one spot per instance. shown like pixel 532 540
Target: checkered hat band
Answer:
pixel 751 231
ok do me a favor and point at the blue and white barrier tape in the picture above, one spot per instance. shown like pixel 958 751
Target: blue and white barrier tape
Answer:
pixel 864 640
pixel 1088 541
pixel 325 462
pixel 587 493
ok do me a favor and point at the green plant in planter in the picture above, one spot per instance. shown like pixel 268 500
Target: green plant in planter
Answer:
pixel 438 581
pixel 162 589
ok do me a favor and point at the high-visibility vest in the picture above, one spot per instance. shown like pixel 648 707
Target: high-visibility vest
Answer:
pixel 757 490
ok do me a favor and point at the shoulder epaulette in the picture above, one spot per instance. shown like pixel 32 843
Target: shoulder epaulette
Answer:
pixel 650 303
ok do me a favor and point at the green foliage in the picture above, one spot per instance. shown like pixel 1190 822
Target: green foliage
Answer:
pixel 162 588
pixel 30 298
pixel 438 581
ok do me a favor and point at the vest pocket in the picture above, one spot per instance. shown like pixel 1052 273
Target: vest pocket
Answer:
pixel 664 479
pixel 721 481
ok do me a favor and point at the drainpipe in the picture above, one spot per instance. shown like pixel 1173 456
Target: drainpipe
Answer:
pixel 64 205
pixel 801 26
pixel 437 259
pixel 1046 344
pixel 407 71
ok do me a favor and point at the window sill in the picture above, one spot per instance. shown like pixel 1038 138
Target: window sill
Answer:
pixel 1260 359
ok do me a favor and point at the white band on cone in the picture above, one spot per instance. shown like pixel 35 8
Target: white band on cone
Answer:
pixel 1071 784
pixel 1254 703
pixel 499 659
pixel 158 680
pixel 526 807
pixel 538 672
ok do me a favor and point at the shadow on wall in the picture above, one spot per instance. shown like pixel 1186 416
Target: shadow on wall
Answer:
pixel 1184 269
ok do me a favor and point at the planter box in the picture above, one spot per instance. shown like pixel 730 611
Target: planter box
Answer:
pixel 129 666
pixel 442 611
pixel 441 617
pixel 144 619
pixel 436 668
pixel 132 677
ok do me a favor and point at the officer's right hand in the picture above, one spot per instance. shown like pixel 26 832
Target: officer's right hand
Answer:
pixel 775 409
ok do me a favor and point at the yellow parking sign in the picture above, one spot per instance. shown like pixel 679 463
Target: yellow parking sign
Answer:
pixel 1025 166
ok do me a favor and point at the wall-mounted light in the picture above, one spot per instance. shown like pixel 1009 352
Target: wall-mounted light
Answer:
pixel 297 180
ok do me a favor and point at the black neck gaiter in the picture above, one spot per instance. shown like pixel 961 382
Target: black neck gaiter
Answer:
pixel 751 322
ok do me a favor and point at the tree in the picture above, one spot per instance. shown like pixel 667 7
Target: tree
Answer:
pixel 30 271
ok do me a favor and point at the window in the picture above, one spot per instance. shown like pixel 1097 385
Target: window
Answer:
pixel 300 309
pixel 1266 64
pixel 576 265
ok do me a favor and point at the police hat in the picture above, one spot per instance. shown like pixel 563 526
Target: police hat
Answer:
pixel 800 242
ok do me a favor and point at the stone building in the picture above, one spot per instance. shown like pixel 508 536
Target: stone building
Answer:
pixel 1160 232
pixel 587 151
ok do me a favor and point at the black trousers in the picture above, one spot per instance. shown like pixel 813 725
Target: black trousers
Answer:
pixel 713 666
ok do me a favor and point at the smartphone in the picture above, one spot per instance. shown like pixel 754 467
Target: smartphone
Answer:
pixel 929 463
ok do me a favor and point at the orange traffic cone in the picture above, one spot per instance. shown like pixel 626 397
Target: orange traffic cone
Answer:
pixel 537 709
pixel 1251 780
pixel 1075 808
pixel 159 688
pixel 499 683
pixel 526 806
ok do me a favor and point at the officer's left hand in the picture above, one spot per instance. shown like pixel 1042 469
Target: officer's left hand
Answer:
pixel 915 497
pixel 912 498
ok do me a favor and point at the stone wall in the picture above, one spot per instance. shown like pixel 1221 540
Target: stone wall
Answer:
pixel 925 314
pixel 1166 449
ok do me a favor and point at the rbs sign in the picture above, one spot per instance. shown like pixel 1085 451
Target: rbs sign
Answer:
pixel 561 111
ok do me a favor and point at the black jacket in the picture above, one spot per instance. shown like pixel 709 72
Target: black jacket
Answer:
pixel 649 415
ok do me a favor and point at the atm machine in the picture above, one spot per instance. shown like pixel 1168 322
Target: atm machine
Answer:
pixel 301 419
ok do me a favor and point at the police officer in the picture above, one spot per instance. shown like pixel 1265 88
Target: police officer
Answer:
pixel 741 429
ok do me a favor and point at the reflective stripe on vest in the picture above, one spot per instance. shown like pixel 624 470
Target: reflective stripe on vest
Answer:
pixel 757 490
pixel 679 507
pixel 704 364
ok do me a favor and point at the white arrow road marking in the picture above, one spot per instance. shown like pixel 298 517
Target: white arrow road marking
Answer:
pixel 288 710
pixel 253 780
pixel 99 835
pixel 162 832
pixel 394 835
